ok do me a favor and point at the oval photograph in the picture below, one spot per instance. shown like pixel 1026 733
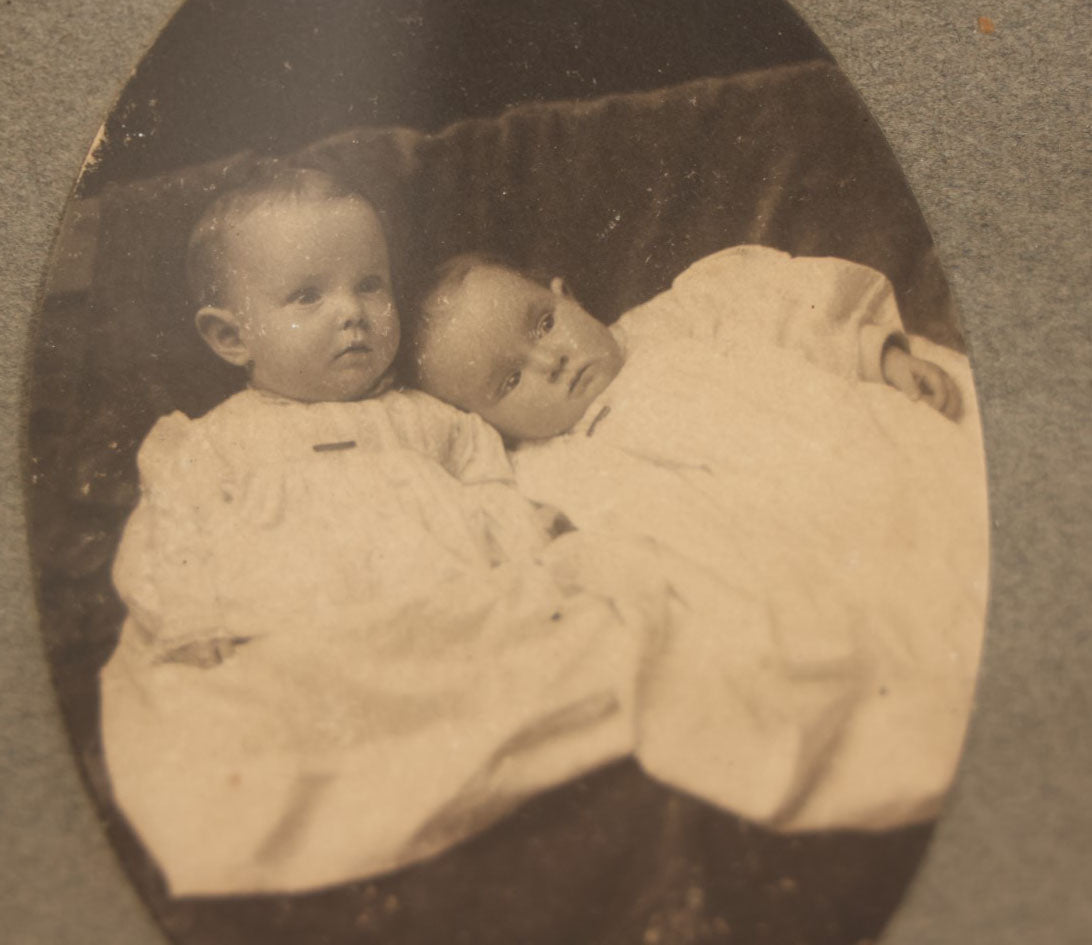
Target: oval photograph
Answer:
pixel 505 474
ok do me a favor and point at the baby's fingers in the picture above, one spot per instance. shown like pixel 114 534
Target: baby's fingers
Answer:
pixel 901 376
pixel 953 405
pixel 940 391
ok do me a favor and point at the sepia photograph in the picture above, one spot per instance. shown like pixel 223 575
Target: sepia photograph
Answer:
pixel 505 473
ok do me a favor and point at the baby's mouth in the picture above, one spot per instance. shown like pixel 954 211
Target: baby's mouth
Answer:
pixel 581 379
pixel 357 347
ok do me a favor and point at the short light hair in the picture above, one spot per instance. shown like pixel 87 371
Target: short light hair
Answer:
pixel 452 271
pixel 448 276
pixel 270 181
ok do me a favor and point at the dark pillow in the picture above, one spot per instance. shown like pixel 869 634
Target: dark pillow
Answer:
pixel 618 194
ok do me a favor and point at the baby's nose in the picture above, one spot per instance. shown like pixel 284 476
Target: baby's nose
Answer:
pixel 558 369
pixel 549 362
pixel 353 313
pixel 548 359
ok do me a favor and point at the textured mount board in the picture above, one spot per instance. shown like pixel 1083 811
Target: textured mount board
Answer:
pixel 991 130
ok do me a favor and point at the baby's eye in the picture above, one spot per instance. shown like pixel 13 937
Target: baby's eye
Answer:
pixel 308 295
pixel 369 284
pixel 511 382
pixel 545 324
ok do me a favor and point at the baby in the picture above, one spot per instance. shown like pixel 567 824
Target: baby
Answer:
pixel 318 482
pixel 540 360
pixel 826 537
pixel 350 641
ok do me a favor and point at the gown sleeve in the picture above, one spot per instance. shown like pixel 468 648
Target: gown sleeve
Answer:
pixel 164 569
pixel 839 315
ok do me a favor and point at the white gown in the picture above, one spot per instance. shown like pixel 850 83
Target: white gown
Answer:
pixel 412 656
pixel 824 536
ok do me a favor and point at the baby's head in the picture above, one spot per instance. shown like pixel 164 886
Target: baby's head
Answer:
pixel 292 278
pixel 524 356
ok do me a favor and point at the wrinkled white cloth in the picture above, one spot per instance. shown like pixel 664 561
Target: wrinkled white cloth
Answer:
pixel 412 656
pixel 265 502
pixel 825 538
pixel 774 601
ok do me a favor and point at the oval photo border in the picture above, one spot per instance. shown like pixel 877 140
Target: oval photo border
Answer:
pixel 969 319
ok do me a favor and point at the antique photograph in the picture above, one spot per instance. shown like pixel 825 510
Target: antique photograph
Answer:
pixel 505 473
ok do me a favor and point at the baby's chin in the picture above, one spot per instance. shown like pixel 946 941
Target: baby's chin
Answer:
pixel 363 387
pixel 544 428
pixel 343 390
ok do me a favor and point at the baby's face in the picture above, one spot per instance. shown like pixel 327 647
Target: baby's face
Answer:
pixel 525 357
pixel 310 291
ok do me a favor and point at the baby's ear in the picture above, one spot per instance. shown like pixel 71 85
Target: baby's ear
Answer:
pixel 558 287
pixel 220 329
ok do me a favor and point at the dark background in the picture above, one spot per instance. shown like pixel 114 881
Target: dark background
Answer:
pixel 273 75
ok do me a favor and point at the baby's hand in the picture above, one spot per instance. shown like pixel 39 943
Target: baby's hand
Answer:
pixel 922 380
